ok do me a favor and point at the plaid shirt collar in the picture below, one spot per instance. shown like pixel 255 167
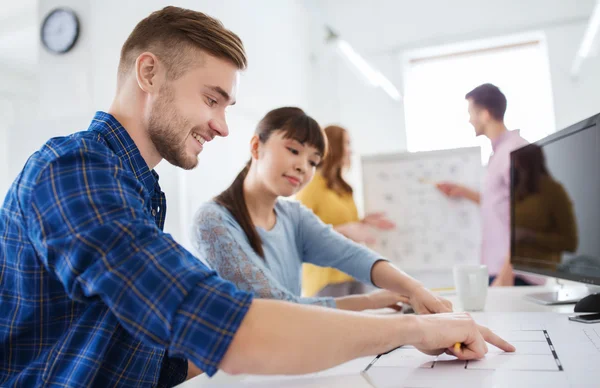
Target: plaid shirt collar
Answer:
pixel 118 139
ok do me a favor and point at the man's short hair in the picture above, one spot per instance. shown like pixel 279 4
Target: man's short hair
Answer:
pixel 172 33
pixel 489 97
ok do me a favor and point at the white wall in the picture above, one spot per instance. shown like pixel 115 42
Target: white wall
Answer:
pixel 18 106
pixel 73 86
pixel 338 96
pixel 7 114
pixel 574 99
pixel 18 80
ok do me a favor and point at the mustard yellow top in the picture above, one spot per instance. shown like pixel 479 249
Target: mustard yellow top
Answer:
pixel 333 209
pixel 550 216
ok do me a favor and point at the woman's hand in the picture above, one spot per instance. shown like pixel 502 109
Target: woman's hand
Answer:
pixel 362 232
pixel 424 301
pixel 357 231
pixel 375 300
pixel 379 221
pixel 384 298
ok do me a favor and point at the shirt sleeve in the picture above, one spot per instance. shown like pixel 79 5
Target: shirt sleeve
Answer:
pixel 323 246
pixel 222 243
pixel 91 228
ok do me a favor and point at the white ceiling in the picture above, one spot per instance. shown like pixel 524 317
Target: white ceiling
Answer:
pixel 373 27
pixel 18 35
pixel 385 26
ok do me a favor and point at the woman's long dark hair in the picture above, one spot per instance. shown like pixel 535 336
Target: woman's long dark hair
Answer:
pixel 296 125
pixel 331 168
pixel 531 167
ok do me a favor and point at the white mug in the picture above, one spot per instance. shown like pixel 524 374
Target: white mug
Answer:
pixel 471 282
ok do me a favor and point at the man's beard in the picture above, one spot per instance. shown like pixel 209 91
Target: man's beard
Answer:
pixel 164 127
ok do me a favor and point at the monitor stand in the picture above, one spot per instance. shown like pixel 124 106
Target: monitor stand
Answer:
pixel 564 295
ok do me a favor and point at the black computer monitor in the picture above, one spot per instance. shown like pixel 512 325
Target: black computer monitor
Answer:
pixel 555 206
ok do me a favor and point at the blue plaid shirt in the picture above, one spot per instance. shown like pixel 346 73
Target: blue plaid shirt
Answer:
pixel 92 291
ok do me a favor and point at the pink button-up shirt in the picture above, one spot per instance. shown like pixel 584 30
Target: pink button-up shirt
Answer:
pixel 495 202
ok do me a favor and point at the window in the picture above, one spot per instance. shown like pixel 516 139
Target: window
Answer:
pixel 436 81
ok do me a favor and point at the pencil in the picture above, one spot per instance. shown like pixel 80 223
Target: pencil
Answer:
pixel 377 358
pixel 457 347
pixel 372 362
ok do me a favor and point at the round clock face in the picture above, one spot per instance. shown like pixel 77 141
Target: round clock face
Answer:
pixel 60 30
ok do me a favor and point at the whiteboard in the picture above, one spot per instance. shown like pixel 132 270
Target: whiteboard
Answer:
pixel 433 232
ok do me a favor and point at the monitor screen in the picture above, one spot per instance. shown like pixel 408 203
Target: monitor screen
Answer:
pixel 555 204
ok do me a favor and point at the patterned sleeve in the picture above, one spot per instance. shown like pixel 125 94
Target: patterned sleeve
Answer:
pixel 325 247
pixel 220 241
pixel 92 229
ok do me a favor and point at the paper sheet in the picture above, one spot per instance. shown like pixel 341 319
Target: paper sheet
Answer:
pixel 551 352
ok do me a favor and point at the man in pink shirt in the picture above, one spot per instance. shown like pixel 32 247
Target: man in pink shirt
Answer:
pixel 487 105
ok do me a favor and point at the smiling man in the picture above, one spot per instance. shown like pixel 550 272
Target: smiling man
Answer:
pixel 94 293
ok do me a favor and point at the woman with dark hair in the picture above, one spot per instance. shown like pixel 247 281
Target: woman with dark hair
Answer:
pixel 544 218
pixel 330 197
pixel 259 242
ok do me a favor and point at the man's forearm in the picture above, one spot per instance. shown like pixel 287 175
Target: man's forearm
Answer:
pixel 283 338
pixel 473 196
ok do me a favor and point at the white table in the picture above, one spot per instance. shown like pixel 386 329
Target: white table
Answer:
pixel 512 299
pixel 504 299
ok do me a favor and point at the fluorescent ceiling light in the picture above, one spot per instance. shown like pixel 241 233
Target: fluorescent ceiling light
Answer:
pixel 373 76
pixel 389 88
pixel 589 44
pixel 590 40
pixel 370 74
